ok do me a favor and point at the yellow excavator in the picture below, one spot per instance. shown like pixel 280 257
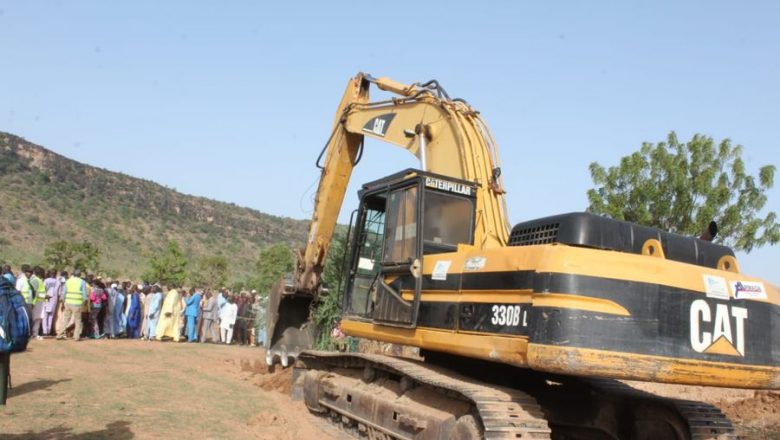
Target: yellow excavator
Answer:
pixel 522 332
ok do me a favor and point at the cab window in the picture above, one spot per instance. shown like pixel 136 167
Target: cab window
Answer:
pixel 369 242
pixel 447 221
pixel 401 228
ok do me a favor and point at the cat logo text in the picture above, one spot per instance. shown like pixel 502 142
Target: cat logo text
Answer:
pixel 718 328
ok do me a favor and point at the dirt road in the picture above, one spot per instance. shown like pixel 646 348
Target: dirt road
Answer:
pixel 133 389
pixel 127 389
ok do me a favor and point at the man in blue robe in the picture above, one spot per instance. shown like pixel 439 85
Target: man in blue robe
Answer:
pixel 133 315
pixel 192 311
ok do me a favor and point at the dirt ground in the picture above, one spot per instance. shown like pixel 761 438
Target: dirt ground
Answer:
pixel 756 414
pixel 125 390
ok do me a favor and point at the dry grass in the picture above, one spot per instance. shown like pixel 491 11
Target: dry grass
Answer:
pixel 132 389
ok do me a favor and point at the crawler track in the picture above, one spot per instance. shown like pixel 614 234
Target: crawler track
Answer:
pixel 574 409
pixel 503 413
pixel 703 421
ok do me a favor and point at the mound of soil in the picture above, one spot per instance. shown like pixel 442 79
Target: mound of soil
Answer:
pixel 268 379
pixel 755 417
pixel 764 405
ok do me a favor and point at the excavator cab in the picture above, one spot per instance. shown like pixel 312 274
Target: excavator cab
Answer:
pixel 402 218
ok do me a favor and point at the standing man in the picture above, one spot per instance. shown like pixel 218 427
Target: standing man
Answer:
pixel 258 308
pixel 191 311
pixel 39 291
pixel 221 301
pixel 133 312
pixel 153 312
pixel 143 292
pixel 23 286
pixel 59 320
pixel 7 290
pixel 210 319
pixel 110 304
pixel 147 302
pixel 52 286
pixel 8 275
pixel 244 313
pixel 97 297
pixel 119 311
pixel 89 279
pixel 75 298
pixel 168 325
pixel 222 298
pixel 227 318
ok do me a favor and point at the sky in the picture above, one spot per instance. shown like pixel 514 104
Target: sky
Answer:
pixel 234 100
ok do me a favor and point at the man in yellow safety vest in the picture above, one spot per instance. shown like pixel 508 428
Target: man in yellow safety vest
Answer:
pixel 75 298
pixel 23 286
pixel 39 299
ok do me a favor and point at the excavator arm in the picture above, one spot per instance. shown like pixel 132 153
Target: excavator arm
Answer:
pixel 448 137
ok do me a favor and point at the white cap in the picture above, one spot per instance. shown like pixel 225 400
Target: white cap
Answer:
pixel 140 286
pixel 254 291
pixel 113 286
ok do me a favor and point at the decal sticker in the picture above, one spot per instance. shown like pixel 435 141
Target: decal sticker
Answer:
pixel 379 125
pixel 474 263
pixel 719 331
pixel 440 270
pixel 716 287
pixel 748 290
pixel 508 315
pixel 365 263
pixel 458 188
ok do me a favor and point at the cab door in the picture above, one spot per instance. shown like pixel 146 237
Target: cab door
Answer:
pixel 397 288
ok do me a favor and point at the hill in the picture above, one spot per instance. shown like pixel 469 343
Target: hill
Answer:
pixel 45 197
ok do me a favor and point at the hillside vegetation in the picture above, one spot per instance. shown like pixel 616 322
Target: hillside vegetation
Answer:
pixel 45 197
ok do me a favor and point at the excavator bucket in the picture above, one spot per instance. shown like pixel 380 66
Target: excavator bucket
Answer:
pixel 289 326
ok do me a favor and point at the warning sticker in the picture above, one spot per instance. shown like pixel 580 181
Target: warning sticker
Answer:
pixel 716 287
pixel 474 263
pixel 440 270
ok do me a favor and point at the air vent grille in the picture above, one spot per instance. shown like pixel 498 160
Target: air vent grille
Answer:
pixel 542 234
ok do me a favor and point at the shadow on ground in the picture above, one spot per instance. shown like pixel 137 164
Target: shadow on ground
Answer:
pixel 30 387
pixel 115 431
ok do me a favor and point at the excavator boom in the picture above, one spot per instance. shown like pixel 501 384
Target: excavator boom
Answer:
pixel 447 136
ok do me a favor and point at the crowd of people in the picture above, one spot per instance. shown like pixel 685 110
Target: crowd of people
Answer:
pixel 84 306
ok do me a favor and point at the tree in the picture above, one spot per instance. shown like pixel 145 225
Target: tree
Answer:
pixel 240 285
pixel 681 187
pixel 87 256
pixel 169 267
pixel 66 255
pixel 210 272
pixel 336 260
pixel 59 255
pixel 273 262
pixel 329 309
